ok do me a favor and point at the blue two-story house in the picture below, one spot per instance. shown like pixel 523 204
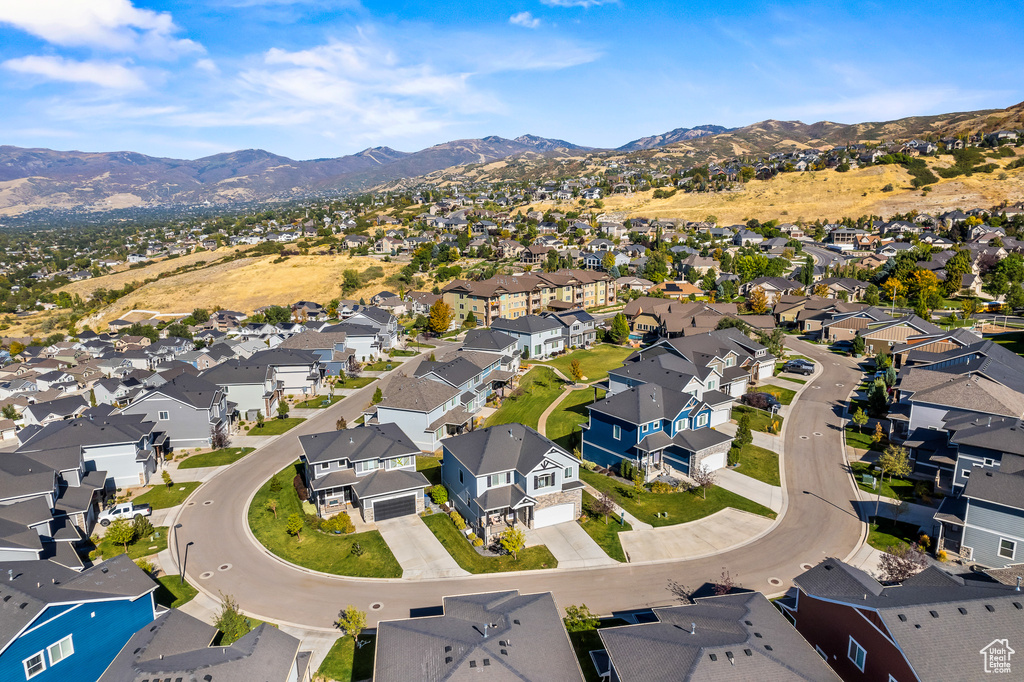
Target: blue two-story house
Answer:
pixel 58 624
pixel 655 428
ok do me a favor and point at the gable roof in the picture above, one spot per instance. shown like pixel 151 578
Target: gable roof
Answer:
pixel 193 391
pixel 500 448
pixel 377 441
pixel 527 324
pixel 418 394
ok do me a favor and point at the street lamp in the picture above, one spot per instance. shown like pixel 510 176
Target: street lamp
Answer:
pixel 185 563
pixel 177 550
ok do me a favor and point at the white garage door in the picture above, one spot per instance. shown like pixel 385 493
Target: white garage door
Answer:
pixel 552 515
pixel 713 462
pixel 720 415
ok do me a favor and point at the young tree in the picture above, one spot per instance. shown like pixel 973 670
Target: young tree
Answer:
pixel 351 621
pixel 272 507
pixel 259 418
pixel 166 476
pixel 10 412
pixel 968 308
pixel 294 526
pixel 341 424
pixel 899 562
pixel 441 316
pixel 821 290
pixel 282 409
pixel 726 583
pixel 878 399
pixel 576 370
pixel 857 345
pixel 121 532
pixel 604 505
pixel 92 397
pixel 860 418
pixel 877 436
pixel 758 301
pixel 579 618
pixel 218 438
pixel 512 541
pixel 744 436
pixel 230 621
pixel 894 461
pixel 899 510
pixel 378 396
pixel 704 478
pixel 620 329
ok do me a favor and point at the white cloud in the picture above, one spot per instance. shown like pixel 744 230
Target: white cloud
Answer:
pixel 105 74
pixel 524 19
pixel 111 25
pixel 578 3
pixel 207 65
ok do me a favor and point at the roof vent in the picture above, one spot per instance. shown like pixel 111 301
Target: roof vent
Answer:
pixel 934 614
pixel 516 621
pixel 713 657
pixel 757 634
pixel 748 652
pixel 487 662
pixel 990 608
pixel 728 654
pixel 504 652
pixel 902 617
pixel 448 648
pixel 748 622
pixel 472 664
pixel 962 611
pixel 693 628
pixel 768 647
pixel 1017 605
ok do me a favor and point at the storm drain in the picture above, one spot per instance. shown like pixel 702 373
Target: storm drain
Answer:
pixel 376 606
pixel 224 567
pixel 205 575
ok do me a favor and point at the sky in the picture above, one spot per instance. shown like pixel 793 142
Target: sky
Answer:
pixel 323 78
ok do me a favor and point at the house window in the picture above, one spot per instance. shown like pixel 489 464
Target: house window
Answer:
pixel 368 465
pixel 966 473
pixel 681 424
pixel 61 650
pixel 460 476
pixel 34 665
pixel 544 481
pixel 617 432
pixel 857 654
pixel 1007 548
pixel 495 480
pixel 400 462
pixel 989 462
pixel 643 428
pixel 702 420
pixel 163 416
pixel 323 466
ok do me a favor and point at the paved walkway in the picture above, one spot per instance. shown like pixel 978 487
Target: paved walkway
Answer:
pixel 542 421
pixel 710 535
pixel 571 545
pixel 761 439
pixel 757 491
pixel 418 551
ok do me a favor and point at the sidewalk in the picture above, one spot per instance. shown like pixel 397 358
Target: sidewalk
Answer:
pixel 761 439
pixel 757 491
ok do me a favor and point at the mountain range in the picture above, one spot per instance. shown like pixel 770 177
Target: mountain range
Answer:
pixel 32 179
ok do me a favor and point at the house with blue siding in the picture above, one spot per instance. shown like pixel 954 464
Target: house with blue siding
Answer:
pixel 655 428
pixel 57 624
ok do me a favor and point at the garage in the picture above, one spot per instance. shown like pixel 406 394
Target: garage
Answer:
pixel 716 461
pixel 560 513
pixel 393 508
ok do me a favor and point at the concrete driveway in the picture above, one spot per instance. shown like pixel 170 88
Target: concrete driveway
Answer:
pixel 571 545
pixel 420 554
pixel 709 535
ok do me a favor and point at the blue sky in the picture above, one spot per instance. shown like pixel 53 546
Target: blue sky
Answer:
pixel 323 78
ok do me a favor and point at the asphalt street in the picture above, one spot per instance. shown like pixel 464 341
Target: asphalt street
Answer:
pixel 818 521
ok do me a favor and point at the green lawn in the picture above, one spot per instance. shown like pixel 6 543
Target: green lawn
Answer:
pixel 405 353
pixel 862 440
pixel 345 663
pixel 1012 341
pixel 381 365
pixel 154 543
pixel 759 419
pixel 595 362
pixel 323 552
pixel 417 344
pixel 217 458
pixel 783 395
pixel 883 533
pixel 605 534
pixel 759 463
pixel 162 497
pixel 537 389
pixel 897 488
pixel 563 424
pixel 588 640
pixel 318 402
pixel 172 593
pixel 794 380
pixel 430 467
pixel 275 427
pixel 681 507
pixel 356 382
pixel 467 557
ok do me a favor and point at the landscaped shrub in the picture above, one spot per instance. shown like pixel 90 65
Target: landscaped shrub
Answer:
pixel 588 465
pixel 626 469
pixel 479 542
pixel 661 487
pixel 146 566
pixel 313 521
pixel 142 527
pixel 942 556
pixel 457 519
pixel 472 537
pixel 439 494
pixel 300 487
pixel 339 522
pixel 629 493
pixel 275 485
pixel 924 542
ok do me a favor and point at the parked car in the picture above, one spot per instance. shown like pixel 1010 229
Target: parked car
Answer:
pixel 804 367
pixel 124 511
pixel 762 401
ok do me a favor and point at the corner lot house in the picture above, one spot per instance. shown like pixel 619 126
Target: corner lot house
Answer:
pixel 508 475
pixel 536 336
pixel 370 468
pixel 425 409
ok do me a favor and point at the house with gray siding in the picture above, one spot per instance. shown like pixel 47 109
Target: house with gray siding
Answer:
pixel 188 409
pixel 426 410
pixel 510 475
pixel 537 336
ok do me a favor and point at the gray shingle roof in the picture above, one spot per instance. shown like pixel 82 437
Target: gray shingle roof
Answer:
pixel 379 441
pixel 417 393
pixel 487 339
pixel 500 448
pixel 527 324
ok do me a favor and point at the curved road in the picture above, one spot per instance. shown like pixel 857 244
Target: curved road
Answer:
pixel 819 521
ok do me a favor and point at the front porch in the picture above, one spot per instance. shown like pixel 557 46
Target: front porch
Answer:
pixel 501 508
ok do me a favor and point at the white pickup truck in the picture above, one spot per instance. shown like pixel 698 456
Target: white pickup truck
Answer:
pixel 124 511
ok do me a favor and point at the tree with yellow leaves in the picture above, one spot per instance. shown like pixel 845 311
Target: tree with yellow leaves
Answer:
pixel 758 302
pixel 892 288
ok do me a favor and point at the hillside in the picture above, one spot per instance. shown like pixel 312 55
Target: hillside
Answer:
pixel 672 136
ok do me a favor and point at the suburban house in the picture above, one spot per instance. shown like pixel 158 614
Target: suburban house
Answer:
pixel 177 646
pixel 537 336
pixel 476 374
pixel 59 624
pixel 329 347
pixel 732 636
pixel 491 635
pixel 55 410
pixel 658 429
pixel 667 318
pixel 425 409
pixel 933 626
pixel 578 328
pixel 509 475
pixel 188 409
pixel 843 324
pixel 369 468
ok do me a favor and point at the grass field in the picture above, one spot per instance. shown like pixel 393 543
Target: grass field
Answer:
pixel 759 419
pixel 323 552
pixel 605 534
pixel 537 389
pixel 884 533
pixel 896 488
pixel 154 543
pixel 759 463
pixel 275 427
pixel 217 458
pixel 162 497
pixel 564 422
pixel 172 593
pixel 681 507
pixel 465 556
pixel 594 363
pixel 357 382
pixel 783 395
pixel 317 403
pixel 430 467
pixel 856 439
pixel 345 663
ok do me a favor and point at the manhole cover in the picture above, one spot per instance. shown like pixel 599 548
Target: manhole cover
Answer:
pixel 224 567
pixel 816 433
pixel 774 581
pixel 806 567
pixel 207 503
pixel 205 575
pixel 376 606
pixel 816 387
pixel 839 385
pixel 190 504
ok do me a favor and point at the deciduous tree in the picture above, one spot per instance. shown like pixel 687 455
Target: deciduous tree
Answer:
pixel 294 526
pixel 576 370
pixel 860 418
pixel 704 478
pixel 512 541
pixel 441 316
pixel 758 301
pixel 899 562
pixel 121 532
pixel 351 621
